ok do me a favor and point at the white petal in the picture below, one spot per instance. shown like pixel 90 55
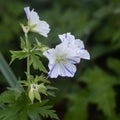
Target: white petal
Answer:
pixel 79 43
pixel 63 37
pixel 69 69
pixel 42 28
pixel 66 36
pixel 84 54
pixel 50 54
pixel 34 18
pixel 27 11
pixel 74 59
pixel 61 48
pixel 53 73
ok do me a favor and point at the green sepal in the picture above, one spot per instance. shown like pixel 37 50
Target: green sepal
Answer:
pixel 37 95
pixel 31 95
pixel 42 89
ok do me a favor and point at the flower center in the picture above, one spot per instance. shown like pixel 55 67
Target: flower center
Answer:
pixel 60 59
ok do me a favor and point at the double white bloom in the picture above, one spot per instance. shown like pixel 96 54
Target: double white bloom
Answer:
pixel 35 24
pixel 63 57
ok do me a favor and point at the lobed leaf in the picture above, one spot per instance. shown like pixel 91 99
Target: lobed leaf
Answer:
pixel 37 64
pixel 18 55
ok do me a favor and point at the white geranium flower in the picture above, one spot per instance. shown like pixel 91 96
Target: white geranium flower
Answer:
pixel 35 24
pixel 65 55
pixel 61 61
pixel 75 44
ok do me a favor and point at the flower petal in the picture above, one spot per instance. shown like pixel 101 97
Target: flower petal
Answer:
pixel 34 18
pixel 53 73
pixel 66 36
pixel 67 70
pixel 42 28
pixel 70 69
pixel 84 54
pixel 74 59
pixel 27 11
pixel 79 43
pixel 50 54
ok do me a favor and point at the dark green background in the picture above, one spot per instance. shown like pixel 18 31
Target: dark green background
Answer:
pixel 94 92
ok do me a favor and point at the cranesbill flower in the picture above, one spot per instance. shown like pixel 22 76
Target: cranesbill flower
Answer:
pixel 61 61
pixel 75 44
pixel 35 24
pixel 63 57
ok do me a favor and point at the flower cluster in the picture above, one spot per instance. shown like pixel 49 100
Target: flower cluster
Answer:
pixel 63 57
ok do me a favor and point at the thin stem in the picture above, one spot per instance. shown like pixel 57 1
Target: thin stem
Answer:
pixel 28 58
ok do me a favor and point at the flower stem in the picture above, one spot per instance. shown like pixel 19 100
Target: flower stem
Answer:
pixel 28 57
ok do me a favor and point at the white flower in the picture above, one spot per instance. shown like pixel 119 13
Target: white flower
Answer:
pixel 75 44
pixel 65 55
pixel 35 24
pixel 61 61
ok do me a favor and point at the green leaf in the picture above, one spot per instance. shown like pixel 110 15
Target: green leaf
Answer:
pixel 50 90
pixel 37 95
pixel 78 106
pixel 37 64
pixel 42 89
pixel 43 110
pixel 12 106
pixel 51 87
pixel 7 97
pixel 18 55
pixel 7 72
pixel 100 87
pixel 41 78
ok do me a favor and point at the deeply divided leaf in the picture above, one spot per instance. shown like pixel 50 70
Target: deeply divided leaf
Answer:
pixel 37 64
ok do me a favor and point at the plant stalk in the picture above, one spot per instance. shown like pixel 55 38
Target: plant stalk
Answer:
pixel 28 58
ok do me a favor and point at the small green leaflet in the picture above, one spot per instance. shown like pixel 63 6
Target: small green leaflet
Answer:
pixel 37 64
pixel 101 90
pixel 43 110
pixel 18 55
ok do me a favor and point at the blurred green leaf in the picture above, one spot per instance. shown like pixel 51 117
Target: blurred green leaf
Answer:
pixel 21 108
pixel 7 72
pixel 78 106
pixel 100 87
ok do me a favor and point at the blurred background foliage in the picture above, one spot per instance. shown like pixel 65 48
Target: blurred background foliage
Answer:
pixel 94 92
